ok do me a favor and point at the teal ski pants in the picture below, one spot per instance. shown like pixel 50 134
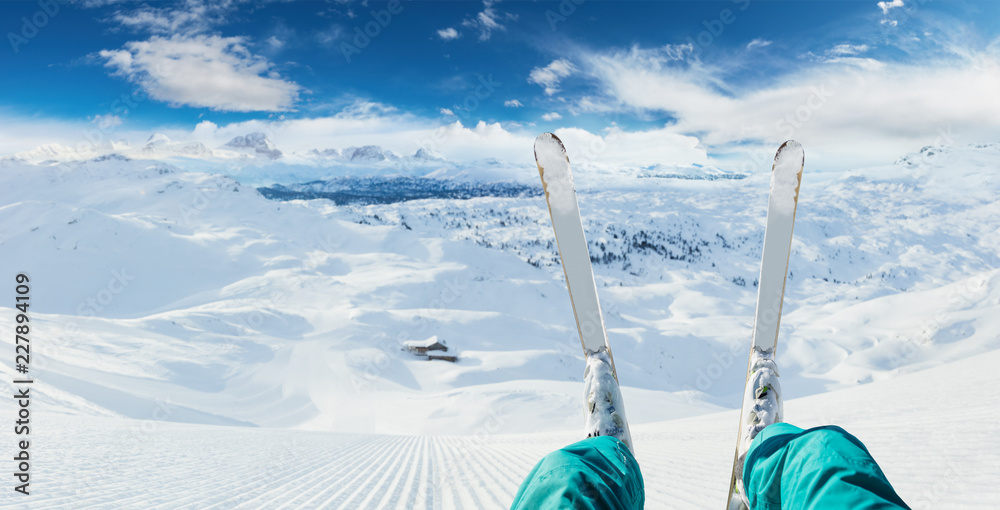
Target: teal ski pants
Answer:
pixel 786 467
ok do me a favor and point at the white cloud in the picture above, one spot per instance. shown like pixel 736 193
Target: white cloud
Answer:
pixel 488 20
pixel 551 116
pixel 365 122
pixel 205 129
pixel 844 54
pixel 448 33
pixel 89 4
pixel 614 148
pixel 193 16
pixel 887 6
pixel 849 110
pixel 404 133
pixel 400 132
pixel 512 103
pixel 550 76
pixel 868 64
pixel 275 43
pixel 445 111
pixel 758 43
pixel 106 122
pixel 841 50
pixel 330 35
pixel 203 71
pixel 361 109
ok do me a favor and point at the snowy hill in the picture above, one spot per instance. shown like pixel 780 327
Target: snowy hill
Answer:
pixel 168 283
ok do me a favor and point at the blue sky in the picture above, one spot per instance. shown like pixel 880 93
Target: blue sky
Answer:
pixel 663 82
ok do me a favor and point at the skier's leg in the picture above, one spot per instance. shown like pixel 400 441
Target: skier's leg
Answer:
pixel 822 467
pixel 596 473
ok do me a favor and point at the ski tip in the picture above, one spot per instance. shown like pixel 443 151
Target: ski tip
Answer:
pixel 546 143
pixel 792 149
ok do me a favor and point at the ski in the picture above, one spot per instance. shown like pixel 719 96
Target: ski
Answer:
pixel 786 177
pixel 560 194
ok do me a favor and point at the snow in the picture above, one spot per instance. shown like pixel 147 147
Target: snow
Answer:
pixel 554 167
pixel 605 410
pixel 427 342
pixel 763 409
pixel 936 442
pixel 785 176
pixel 185 324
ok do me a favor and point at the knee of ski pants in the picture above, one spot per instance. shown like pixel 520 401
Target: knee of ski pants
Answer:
pixel 596 473
pixel 822 467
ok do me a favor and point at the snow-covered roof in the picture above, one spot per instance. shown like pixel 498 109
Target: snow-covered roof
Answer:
pixel 424 343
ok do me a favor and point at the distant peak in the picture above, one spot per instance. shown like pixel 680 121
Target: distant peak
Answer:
pixel 158 139
pixel 251 140
pixel 328 153
pixel 366 153
pixel 258 142
pixel 425 153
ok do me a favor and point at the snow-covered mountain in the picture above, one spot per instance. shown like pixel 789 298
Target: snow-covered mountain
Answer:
pixel 160 145
pixel 427 154
pixel 256 144
pixel 255 159
pixel 47 152
pixel 159 287
pixel 54 152
pixel 366 153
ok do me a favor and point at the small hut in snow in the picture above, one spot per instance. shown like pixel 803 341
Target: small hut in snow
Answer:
pixel 421 347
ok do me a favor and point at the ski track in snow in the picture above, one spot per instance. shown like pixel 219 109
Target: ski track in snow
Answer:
pixel 908 423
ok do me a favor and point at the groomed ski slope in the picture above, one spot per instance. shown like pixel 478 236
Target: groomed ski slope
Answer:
pixel 910 424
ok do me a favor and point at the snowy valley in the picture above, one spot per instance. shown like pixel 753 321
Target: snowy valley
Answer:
pixel 239 304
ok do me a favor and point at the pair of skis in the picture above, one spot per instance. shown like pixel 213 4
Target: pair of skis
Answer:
pixel 560 193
